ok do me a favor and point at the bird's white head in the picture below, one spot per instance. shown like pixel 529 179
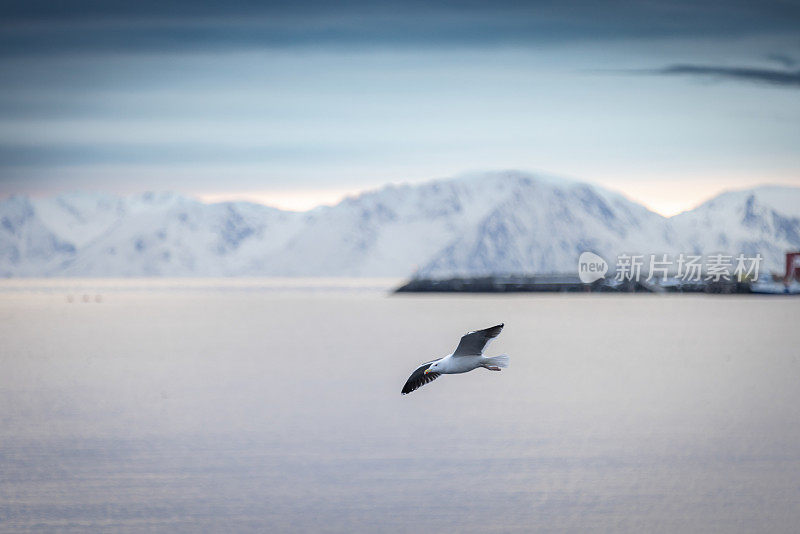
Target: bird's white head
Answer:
pixel 436 367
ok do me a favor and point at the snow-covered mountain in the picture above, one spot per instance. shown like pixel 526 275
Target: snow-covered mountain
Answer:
pixel 763 220
pixel 503 222
pixel 544 225
pixel 547 225
pixel 152 234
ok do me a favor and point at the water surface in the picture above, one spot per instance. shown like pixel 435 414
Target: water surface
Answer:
pixel 130 406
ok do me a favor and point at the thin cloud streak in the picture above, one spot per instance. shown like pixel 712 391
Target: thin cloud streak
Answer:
pixel 786 78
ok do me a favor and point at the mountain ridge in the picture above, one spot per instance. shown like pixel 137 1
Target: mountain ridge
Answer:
pixel 480 223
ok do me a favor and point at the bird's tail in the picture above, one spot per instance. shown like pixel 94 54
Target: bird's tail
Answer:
pixel 497 362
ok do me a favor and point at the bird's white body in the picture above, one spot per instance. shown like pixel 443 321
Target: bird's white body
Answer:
pixel 450 365
pixel 453 365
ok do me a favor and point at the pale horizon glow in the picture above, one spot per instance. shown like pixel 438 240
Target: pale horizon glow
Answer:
pixel 664 194
pixel 667 198
pixel 289 200
pixel 684 194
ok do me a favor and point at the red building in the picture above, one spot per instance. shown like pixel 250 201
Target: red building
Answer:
pixel 792 267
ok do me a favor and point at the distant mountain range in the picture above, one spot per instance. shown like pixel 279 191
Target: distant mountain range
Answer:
pixel 503 222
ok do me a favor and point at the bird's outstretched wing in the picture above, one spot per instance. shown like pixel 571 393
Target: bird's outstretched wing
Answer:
pixel 418 378
pixel 473 343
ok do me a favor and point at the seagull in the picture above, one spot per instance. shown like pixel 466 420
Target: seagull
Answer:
pixel 467 356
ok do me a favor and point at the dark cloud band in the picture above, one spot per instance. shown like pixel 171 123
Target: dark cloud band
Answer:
pixel 47 27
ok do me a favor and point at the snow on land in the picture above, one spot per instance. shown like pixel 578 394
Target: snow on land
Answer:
pixel 499 222
pixel 764 220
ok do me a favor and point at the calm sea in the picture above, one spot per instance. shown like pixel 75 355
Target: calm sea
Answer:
pixel 275 406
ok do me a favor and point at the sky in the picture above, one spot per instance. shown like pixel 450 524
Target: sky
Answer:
pixel 300 103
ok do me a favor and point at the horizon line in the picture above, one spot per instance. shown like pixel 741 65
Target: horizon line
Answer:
pixel 307 200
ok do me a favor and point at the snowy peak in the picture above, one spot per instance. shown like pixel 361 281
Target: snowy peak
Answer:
pixel 763 220
pixel 543 226
pixel 782 199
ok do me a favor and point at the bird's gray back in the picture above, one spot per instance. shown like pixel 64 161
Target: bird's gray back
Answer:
pixel 473 343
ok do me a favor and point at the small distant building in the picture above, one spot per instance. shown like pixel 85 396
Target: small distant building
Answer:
pixel 792 267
